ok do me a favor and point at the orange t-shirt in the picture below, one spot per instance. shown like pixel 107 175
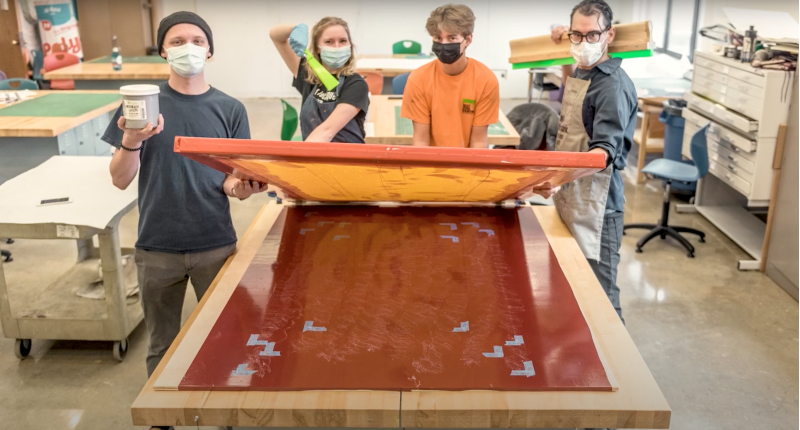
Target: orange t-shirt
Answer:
pixel 452 104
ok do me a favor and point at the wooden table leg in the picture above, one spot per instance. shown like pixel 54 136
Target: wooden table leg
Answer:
pixel 643 147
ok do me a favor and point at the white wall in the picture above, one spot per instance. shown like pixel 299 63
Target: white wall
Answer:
pixel 714 13
pixel 247 65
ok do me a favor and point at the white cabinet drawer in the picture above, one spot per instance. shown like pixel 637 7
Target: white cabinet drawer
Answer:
pixel 712 84
pixel 695 118
pixel 747 104
pixel 719 67
pixel 729 177
pixel 710 64
pixel 727 146
pixel 750 78
pixel 704 73
pixel 721 113
pixel 728 136
pixel 67 143
pixel 718 156
pixel 745 88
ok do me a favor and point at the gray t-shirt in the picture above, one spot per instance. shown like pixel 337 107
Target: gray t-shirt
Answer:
pixel 182 207
pixel 609 117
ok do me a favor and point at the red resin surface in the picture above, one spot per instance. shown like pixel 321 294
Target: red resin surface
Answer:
pixel 390 285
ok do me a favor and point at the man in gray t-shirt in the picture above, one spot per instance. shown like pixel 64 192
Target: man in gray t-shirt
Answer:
pixel 185 228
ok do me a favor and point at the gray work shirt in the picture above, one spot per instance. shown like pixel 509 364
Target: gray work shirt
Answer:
pixel 609 116
pixel 182 207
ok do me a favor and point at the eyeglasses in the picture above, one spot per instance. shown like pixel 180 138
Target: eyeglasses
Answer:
pixel 592 37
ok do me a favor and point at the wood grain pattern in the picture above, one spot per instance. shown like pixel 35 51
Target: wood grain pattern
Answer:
pixel 104 71
pixel 32 126
pixel 389 72
pixel 629 37
pixel 638 403
pixel 382 116
pixel 273 409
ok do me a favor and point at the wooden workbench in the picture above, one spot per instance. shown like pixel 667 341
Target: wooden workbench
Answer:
pixel 51 126
pixel 44 129
pixel 101 75
pixel 638 402
pixel 391 65
pixel 383 128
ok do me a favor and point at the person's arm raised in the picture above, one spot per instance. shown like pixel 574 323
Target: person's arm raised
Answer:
pixel 291 41
pixel 125 162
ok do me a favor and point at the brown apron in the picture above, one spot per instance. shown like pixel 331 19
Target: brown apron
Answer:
pixel 581 203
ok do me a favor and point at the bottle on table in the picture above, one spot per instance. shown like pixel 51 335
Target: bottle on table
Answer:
pixel 116 57
pixel 749 46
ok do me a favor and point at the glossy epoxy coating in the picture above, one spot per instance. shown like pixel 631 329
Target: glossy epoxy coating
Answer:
pixel 374 173
pixel 401 299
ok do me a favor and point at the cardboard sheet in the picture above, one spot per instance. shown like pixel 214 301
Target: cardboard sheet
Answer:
pixel 84 179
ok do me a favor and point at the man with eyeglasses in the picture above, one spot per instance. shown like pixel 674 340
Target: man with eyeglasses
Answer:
pixel 598 114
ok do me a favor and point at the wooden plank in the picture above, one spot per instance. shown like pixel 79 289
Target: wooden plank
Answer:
pixel 32 126
pixel 382 116
pixel 777 161
pixel 638 403
pixel 105 72
pixel 273 409
pixel 629 37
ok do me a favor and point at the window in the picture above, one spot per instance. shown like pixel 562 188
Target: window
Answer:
pixel 675 24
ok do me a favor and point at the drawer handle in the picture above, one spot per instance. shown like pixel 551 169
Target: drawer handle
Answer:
pixel 732 167
pixel 730 157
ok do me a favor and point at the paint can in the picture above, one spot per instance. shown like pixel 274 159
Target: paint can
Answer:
pixel 140 105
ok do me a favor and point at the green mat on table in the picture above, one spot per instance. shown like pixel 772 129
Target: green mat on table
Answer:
pixel 70 105
pixel 155 59
pixel 404 127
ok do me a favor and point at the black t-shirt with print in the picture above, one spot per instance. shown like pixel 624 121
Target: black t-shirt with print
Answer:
pixel 354 92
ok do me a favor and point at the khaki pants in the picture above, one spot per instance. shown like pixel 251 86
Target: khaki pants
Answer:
pixel 163 277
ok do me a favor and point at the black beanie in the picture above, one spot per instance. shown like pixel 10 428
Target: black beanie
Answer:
pixel 183 17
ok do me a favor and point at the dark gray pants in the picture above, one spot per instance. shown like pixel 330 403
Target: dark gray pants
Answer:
pixel 606 268
pixel 162 285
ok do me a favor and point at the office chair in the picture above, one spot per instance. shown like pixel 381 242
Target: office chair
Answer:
pixel 675 171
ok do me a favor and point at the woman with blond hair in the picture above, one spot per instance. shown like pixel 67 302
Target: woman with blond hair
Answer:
pixel 325 116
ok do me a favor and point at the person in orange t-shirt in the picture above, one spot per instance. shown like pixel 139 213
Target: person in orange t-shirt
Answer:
pixel 451 101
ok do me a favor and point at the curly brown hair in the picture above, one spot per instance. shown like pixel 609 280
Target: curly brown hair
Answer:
pixel 451 17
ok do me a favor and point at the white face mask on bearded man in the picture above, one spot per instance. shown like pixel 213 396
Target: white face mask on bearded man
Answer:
pixel 586 53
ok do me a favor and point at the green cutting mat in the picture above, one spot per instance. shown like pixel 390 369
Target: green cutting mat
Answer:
pixel 155 59
pixel 404 127
pixel 70 105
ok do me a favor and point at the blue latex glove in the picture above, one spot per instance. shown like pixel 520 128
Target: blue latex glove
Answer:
pixel 298 39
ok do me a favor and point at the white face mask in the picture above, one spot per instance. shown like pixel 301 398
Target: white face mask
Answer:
pixel 586 53
pixel 187 60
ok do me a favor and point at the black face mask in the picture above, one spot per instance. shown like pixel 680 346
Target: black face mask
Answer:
pixel 447 53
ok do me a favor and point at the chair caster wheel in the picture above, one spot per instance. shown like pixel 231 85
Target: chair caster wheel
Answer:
pixel 639 250
pixel 22 347
pixel 690 255
pixel 702 240
pixel 120 350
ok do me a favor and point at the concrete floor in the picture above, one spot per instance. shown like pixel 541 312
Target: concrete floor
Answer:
pixel 722 344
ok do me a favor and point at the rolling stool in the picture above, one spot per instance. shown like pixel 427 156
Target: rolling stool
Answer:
pixel 675 171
